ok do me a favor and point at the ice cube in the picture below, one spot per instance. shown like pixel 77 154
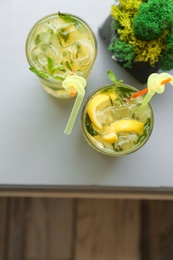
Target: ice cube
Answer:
pixel 68 35
pixel 42 53
pixel 82 53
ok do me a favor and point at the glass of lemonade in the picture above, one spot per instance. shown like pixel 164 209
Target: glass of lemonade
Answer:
pixel 59 45
pixel 114 123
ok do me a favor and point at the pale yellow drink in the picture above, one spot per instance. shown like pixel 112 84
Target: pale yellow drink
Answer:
pixel 114 123
pixel 60 45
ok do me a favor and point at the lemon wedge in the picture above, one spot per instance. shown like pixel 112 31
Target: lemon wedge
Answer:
pixel 126 125
pixel 98 103
pixel 110 138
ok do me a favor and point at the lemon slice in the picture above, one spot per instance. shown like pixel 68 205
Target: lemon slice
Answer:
pixel 126 125
pixel 98 102
pixel 110 138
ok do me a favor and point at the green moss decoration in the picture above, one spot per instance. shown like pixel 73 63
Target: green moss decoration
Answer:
pixel 124 52
pixel 169 40
pixel 144 32
pixel 152 19
pixel 166 60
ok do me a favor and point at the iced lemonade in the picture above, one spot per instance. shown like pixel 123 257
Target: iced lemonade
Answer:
pixel 60 45
pixel 115 123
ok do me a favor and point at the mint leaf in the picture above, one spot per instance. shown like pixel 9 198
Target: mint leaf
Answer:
pixel 68 19
pixel 120 98
pixel 63 36
pixel 146 131
pixel 112 76
pixel 38 73
pixel 89 126
pixel 77 50
pixel 59 77
pixel 124 89
pixel 68 65
pixel 50 65
pixel 60 68
pixel 37 39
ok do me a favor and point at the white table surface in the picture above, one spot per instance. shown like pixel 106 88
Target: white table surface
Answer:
pixel 33 148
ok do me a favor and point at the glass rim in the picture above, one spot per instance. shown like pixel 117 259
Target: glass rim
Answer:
pixel 51 16
pixel 106 152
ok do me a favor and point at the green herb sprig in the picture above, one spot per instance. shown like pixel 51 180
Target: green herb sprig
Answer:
pixel 113 78
pixel 68 18
pixel 38 73
pixel 89 126
pixel 118 87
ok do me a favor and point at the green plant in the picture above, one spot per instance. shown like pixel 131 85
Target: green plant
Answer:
pixel 144 32
pixel 124 51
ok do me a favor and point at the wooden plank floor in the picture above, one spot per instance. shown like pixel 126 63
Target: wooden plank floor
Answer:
pixel 85 229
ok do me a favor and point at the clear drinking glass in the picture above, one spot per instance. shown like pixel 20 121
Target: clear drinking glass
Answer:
pixel 59 45
pixel 114 123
